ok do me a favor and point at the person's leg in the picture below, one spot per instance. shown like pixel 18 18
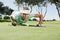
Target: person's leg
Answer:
pixel 13 21
pixel 40 16
pixel 41 19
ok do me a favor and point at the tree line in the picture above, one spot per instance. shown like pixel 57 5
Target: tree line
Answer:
pixel 30 3
pixel 39 3
pixel 5 10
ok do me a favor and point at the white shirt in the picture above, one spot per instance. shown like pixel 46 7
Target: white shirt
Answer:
pixel 14 13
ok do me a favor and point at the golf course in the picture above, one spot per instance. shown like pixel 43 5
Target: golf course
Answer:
pixel 29 19
pixel 49 31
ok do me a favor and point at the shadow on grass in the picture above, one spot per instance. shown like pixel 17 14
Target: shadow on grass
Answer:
pixel 31 25
pixel 35 26
pixel 26 25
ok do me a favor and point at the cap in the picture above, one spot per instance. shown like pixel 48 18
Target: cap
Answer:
pixel 24 11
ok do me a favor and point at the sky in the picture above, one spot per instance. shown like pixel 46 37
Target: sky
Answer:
pixel 51 9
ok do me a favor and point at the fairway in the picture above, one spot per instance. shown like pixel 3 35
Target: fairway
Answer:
pixel 49 31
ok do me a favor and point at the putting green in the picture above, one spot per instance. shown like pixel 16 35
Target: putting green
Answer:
pixel 49 31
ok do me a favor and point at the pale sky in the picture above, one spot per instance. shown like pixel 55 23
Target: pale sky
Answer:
pixel 51 9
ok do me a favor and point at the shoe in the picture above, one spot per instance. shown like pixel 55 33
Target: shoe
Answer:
pixel 38 25
pixel 14 24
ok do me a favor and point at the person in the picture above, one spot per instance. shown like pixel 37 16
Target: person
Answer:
pixel 13 17
pixel 19 17
pixel 40 16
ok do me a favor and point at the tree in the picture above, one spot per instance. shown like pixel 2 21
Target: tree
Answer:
pixel 57 3
pixel 10 11
pixel 19 2
pixel 1 4
pixel 31 3
pixel 7 10
pixel 1 9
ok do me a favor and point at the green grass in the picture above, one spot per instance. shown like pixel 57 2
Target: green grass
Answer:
pixel 49 31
